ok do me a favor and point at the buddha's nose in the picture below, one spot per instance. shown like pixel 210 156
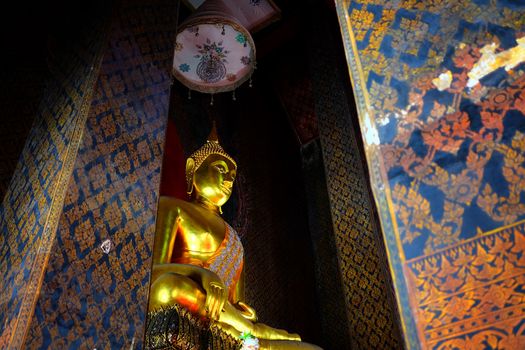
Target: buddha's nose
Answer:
pixel 228 184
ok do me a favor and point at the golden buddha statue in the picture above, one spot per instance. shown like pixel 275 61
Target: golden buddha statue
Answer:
pixel 198 258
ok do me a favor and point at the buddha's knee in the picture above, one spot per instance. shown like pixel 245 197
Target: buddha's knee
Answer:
pixel 286 345
pixel 171 288
pixel 266 332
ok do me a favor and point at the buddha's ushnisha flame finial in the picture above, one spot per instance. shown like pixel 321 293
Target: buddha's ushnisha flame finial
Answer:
pixel 196 159
pixel 213 134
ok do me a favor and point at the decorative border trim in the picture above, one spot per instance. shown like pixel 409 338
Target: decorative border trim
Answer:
pixel 32 291
pixel 380 189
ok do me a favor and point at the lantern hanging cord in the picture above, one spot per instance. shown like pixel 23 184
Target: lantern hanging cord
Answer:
pixel 176 29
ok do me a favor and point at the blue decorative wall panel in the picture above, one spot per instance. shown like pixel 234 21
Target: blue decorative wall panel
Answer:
pixel 94 293
pixel 440 89
pixel 33 201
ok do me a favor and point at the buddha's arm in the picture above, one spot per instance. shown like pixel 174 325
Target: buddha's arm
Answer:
pixel 238 292
pixel 216 293
pixel 238 300
pixel 168 222
pixel 200 275
pixel 168 218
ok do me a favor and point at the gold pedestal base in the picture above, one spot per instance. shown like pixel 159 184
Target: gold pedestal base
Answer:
pixel 174 328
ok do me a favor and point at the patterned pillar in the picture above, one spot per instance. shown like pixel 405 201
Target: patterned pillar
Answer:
pixel 370 307
pixel 30 211
pixel 292 82
pixel 96 285
pixel 330 283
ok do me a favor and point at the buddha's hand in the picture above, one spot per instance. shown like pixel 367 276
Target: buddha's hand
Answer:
pixel 216 296
pixel 247 311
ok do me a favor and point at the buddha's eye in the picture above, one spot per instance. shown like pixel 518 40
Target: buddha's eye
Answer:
pixel 221 169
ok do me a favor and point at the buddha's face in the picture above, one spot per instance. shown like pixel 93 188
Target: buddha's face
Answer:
pixel 214 179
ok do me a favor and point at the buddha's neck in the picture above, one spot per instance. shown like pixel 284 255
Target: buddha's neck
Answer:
pixel 207 204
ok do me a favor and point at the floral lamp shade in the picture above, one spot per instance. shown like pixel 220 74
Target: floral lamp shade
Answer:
pixel 213 54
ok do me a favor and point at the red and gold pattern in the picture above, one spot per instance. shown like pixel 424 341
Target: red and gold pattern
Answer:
pixel 440 88
pixel 471 285
pixel 496 337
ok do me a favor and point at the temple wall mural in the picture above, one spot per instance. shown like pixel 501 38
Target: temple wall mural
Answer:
pixel 296 94
pixel 372 320
pixel 95 288
pixel 33 199
pixel 78 217
pixel 378 209
pixel 439 88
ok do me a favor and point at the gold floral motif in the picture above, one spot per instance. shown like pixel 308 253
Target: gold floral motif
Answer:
pixel 415 214
pixel 361 20
pixel 473 263
pixel 447 129
pixel 502 337
pixel 507 209
pixel 472 284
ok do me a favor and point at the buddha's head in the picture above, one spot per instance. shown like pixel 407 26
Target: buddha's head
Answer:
pixel 210 172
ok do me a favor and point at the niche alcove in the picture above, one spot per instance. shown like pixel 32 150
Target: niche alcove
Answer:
pixel 280 204
pixel 268 207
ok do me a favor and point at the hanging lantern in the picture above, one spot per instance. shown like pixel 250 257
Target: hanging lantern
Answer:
pixel 214 51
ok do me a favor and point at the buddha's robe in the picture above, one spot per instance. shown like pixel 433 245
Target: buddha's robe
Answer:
pixel 227 261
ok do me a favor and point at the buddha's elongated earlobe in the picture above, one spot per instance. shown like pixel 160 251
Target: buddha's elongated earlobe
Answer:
pixel 190 172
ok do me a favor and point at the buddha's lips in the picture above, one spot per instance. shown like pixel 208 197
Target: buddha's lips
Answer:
pixel 226 189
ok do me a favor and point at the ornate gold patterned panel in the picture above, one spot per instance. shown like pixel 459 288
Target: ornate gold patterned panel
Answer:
pixel 477 284
pixel 94 293
pixel 33 202
pixel 439 87
pixel 367 286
